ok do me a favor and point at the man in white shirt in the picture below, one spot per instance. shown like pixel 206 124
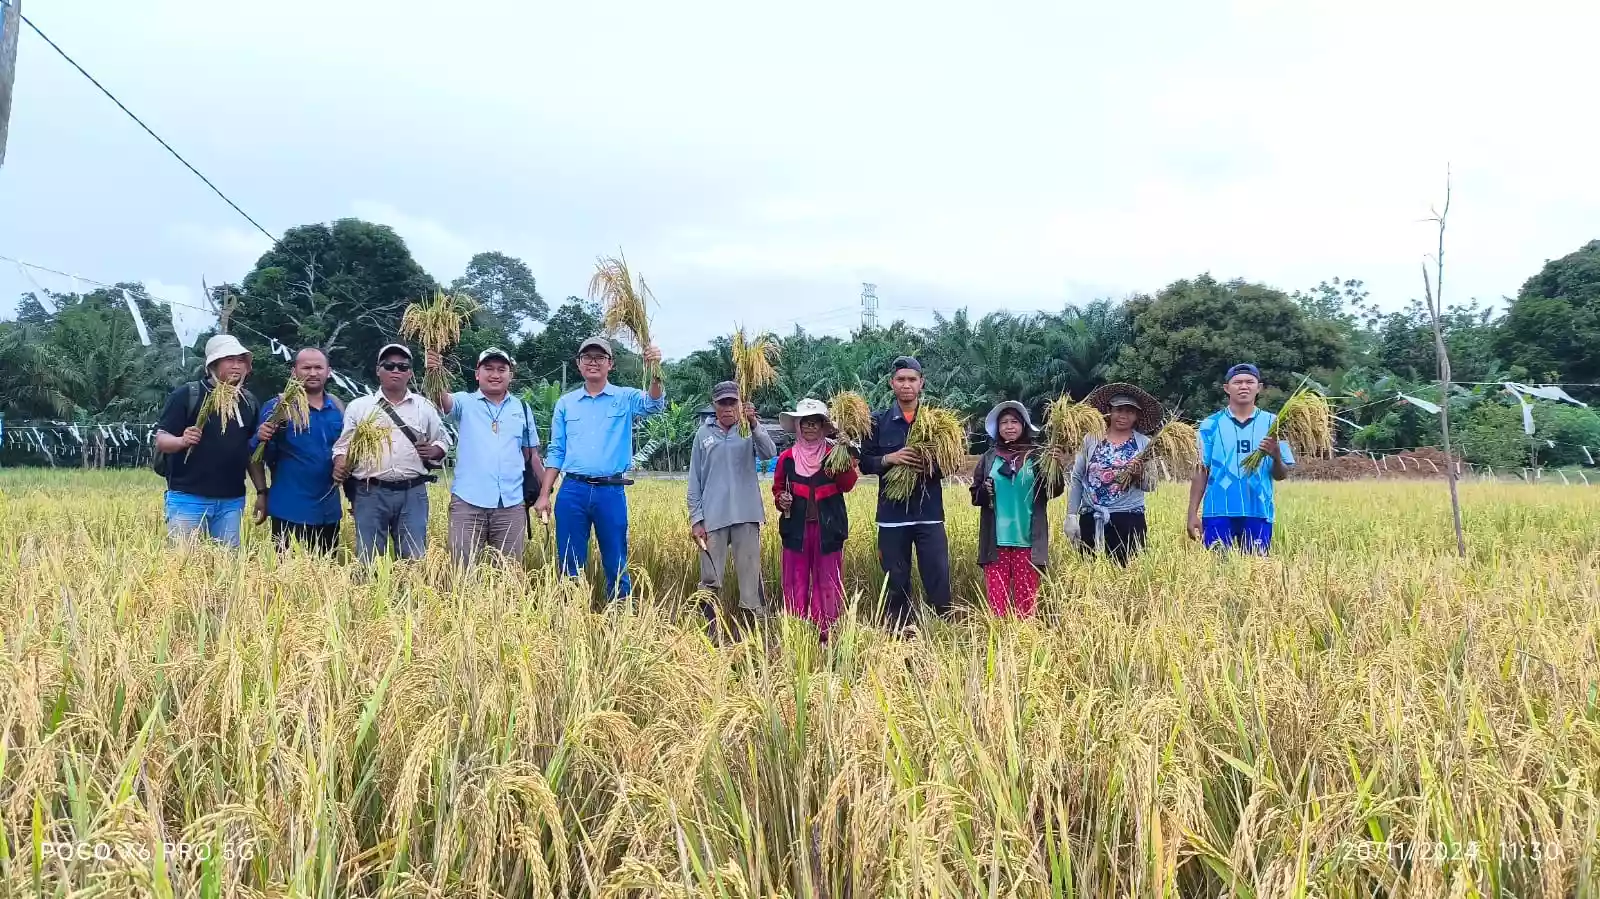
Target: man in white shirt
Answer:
pixel 389 498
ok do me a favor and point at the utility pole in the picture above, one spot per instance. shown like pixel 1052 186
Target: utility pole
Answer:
pixel 563 377
pixel 10 31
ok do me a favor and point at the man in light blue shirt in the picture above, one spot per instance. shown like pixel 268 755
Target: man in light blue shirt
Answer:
pixel 1227 504
pixel 497 446
pixel 591 440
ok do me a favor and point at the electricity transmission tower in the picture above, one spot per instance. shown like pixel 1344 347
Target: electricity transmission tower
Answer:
pixel 869 306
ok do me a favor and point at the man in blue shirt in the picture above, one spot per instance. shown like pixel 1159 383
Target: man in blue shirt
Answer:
pixel 1228 505
pixel 591 440
pixel 496 445
pixel 302 501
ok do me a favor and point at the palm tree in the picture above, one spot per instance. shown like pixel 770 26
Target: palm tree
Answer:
pixel 34 379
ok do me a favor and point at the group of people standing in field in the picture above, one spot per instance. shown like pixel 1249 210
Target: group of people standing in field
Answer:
pixel 499 476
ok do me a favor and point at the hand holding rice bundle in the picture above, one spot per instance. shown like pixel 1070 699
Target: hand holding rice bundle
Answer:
pixel 438 326
pixel 1175 443
pixel 1306 421
pixel 1066 426
pixel 294 407
pixel 368 442
pixel 624 308
pixel 853 417
pixel 940 437
pixel 223 401
pixel 752 368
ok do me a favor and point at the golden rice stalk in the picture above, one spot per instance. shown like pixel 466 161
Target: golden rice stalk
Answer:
pixel 293 407
pixel 437 325
pixel 1066 425
pixel 752 368
pixel 222 401
pixel 853 417
pixel 1175 443
pixel 624 308
pixel 1306 421
pixel 368 442
pixel 940 437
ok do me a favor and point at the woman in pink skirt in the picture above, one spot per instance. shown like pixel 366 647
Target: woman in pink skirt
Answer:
pixel 1011 496
pixel 814 522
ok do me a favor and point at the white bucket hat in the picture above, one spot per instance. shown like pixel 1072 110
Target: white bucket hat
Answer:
pixel 806 408
pixel 223 346
pixel 992 423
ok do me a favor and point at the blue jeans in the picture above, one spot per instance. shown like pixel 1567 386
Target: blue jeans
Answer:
pixel 580 507
pixel 189 515
pixel 1253 535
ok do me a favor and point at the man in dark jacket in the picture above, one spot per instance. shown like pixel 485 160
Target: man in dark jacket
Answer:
pixel 916 522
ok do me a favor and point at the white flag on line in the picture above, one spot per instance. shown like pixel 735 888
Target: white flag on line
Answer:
pixel 138 319
pixel 1422 404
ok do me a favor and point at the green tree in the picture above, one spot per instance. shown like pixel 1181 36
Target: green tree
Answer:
pixel 505 287
pixel 35 382
pixel 340 287
pixel 541 356
pixel 1553 326
pixel 1185 338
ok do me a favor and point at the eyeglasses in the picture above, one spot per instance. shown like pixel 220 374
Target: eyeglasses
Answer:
pixel 593 359
pixel 395 366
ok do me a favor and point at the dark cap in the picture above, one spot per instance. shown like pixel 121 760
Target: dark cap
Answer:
pixel 725 390
pixel 1123 399
pixel 1243 368
pixel 597 343
pixel 905 362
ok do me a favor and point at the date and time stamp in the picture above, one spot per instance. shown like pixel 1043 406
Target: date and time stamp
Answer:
pixel 1402 853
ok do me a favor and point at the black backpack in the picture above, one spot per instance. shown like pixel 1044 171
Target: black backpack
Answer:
pixel 196 393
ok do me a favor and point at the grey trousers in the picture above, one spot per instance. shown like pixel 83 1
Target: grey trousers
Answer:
pixel 474 527
pixel 744 541
pixel 383 516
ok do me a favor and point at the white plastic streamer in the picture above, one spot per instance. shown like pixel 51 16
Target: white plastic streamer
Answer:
pixel 1422 404
pixel 138 319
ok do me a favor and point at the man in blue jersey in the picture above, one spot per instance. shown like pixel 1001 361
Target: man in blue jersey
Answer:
pixel 1228 505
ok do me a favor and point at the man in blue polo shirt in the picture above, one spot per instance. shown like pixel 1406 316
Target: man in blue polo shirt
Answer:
pixel 496 444
pixel 591 440
pixel 1227 505
pixel 302 502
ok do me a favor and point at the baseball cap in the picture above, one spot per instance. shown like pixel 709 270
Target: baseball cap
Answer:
pixel 495 352
pixel 1123 399
pixel 598 343
pixel 906 362
pixel 1243 368
pixel 725 390
pixel 389 347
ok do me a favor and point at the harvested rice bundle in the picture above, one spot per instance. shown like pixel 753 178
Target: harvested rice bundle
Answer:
pixel 438 326
pixel 1175 443
pixel 853 417
pixel 1066 424
pixel 752 369
pixel 1306 421
pixel 293 407
pixel 625 309
pixel 368 443
pixel 222 401
pixel 940 437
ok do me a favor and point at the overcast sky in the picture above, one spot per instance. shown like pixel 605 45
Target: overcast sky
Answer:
pixel 757 162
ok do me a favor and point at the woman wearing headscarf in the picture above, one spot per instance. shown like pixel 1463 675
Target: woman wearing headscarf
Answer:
pixel 1013 525
pixel 813 522
pixel 1103 513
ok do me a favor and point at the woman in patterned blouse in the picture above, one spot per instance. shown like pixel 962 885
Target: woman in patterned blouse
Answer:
pixel 1101 512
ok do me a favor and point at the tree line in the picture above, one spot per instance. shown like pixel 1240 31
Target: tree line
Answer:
pixel 342 287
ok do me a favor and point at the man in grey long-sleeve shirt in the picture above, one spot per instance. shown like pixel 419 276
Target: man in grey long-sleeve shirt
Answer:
pixel 725 507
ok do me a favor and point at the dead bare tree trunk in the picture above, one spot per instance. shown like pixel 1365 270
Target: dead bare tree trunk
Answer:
pixel 1435 305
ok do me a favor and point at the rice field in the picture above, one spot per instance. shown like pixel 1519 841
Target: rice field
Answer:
pixel 1360 715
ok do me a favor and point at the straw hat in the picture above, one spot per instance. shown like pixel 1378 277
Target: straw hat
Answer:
pixel 807 408
pixel 1107 396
